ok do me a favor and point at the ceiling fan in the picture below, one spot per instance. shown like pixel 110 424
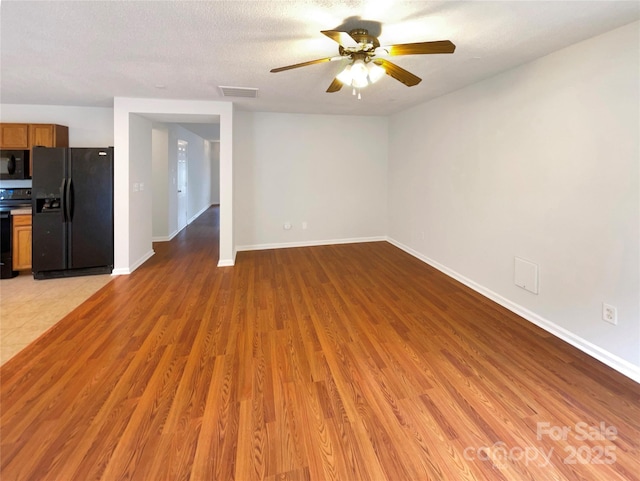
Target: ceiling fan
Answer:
pixel 366 65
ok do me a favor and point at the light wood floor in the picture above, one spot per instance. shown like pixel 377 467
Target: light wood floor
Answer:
pixel 350 362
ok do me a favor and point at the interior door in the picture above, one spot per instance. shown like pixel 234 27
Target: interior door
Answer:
pixel 182 184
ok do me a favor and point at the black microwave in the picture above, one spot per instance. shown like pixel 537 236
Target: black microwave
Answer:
pixel 14 164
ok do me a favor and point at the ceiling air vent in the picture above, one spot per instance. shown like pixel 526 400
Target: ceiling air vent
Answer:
pixel 246 92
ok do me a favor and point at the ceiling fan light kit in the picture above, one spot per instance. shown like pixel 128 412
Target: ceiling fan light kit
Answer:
pixel 359 73
pixel 367 65
pixel 376 72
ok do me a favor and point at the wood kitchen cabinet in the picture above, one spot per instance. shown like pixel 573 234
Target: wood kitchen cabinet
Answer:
pixel 21 242
pixel 48 135
pixel 14 136
pixel 26 136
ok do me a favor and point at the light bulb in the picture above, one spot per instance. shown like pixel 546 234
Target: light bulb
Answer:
pixel 376 72
pixel 345 76
pixel 360 74
pixel 360 82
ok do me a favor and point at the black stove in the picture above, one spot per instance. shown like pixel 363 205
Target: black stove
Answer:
pixel 15 198
pixel 11 198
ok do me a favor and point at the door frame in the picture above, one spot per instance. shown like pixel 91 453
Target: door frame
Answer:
pixel 195 111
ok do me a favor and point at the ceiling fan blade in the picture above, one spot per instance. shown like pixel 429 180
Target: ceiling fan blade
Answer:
pixel 441 46
pixel 343 38
pixel 398 73
pixel 304 64
pixel 335 86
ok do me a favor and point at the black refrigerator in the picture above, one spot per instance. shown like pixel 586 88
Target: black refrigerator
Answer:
pixel 72 200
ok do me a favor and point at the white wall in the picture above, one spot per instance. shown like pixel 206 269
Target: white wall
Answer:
pixel 540 162
pixel 214 158
pixel 140 174
pixel 329 171
pixel 161 181
pixel 88 126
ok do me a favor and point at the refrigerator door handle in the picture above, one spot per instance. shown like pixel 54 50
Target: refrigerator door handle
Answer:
pixel 69 200
pixel 63 201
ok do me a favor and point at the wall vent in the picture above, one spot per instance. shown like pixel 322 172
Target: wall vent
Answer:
pixel 246 92
pixel 526 275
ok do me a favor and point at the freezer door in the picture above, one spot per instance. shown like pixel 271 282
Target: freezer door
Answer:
pixel 49 231
pixel 90 201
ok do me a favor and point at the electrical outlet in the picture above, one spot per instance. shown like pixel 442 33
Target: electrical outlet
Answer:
pixel 304 226
pixel 609 314
pixel 287 226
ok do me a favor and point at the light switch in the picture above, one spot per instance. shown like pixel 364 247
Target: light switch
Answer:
pixel 526 275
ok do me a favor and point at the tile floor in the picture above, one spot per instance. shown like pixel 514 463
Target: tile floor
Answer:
pixel 29 307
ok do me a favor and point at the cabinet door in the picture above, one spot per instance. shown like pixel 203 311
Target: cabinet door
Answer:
pixel 14 136
pixel 48 135
pixel 21 242
pixel 41 135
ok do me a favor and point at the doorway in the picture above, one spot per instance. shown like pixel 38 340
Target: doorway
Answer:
pixel 183 184
pixel 133 239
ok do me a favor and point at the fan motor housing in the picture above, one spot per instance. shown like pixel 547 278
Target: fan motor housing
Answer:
pixel 367 43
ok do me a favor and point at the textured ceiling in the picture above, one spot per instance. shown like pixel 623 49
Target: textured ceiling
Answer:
pixel 86 53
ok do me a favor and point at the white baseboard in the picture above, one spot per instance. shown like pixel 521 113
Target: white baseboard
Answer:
pixel 286 245
pixel 226 262
pixel 134 266
pixel 198 214
pixel 176 232
pixel 615 362
pixel 165 238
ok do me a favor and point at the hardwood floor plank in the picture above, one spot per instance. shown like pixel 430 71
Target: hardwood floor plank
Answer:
pixel 345 362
